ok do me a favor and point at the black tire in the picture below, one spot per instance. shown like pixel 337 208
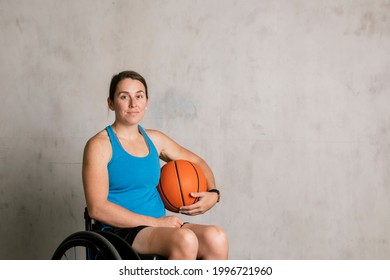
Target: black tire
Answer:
pixel 86 245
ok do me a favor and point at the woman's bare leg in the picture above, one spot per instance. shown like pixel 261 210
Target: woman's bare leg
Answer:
pixel 213 242
pixel 173 243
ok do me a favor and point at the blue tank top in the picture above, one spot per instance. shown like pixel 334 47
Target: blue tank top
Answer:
pixel 133 180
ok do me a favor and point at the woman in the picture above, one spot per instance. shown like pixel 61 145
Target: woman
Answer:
pixel 121 170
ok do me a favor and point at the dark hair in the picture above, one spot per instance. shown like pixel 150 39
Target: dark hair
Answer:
pixel 124 75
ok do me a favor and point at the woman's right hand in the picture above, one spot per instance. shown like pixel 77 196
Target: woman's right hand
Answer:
pixel 169 221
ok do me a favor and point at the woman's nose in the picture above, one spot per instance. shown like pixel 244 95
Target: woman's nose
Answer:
pixel 132 102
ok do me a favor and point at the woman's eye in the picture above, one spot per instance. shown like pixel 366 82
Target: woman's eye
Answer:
pixel 123 97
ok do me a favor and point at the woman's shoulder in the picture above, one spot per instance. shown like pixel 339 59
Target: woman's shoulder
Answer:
pixel 99 141
pixel 155 134
pixel 100 136
pixel 151 131
pixel 97 151
pixel 158 138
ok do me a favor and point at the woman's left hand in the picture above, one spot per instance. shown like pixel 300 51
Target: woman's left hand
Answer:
pixel 205 202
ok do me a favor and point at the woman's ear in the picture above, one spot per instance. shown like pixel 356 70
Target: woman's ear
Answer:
pixel 110 104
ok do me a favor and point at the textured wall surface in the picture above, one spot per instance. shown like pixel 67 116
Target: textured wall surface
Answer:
pixel 288 101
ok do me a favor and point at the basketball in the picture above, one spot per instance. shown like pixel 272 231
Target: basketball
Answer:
pixel 178 179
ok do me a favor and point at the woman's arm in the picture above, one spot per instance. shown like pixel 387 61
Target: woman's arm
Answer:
pixel 169 150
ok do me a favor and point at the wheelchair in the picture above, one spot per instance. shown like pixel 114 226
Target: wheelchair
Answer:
pixel 95 244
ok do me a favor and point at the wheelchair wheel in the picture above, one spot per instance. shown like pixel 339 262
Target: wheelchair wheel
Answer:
pixel 86 245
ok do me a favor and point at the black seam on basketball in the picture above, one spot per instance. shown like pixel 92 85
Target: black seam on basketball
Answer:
pixel 197 176
pixel 166 197
pixel 170 204
pixel 179 183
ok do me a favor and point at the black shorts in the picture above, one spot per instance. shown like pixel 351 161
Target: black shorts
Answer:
pixel 127 234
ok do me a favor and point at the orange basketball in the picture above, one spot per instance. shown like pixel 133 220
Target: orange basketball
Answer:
pixel 178 179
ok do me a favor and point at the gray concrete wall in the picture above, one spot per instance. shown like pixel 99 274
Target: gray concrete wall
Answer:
pixel 288 101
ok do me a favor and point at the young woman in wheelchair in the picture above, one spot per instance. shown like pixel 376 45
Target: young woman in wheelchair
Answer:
pixel 121 169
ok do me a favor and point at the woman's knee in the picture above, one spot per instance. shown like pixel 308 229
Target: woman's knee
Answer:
pixel 216 241
pixel 215 234
pixel 184 244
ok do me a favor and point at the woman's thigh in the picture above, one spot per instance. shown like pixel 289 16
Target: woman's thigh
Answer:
pixel 211 240
pixel 161 240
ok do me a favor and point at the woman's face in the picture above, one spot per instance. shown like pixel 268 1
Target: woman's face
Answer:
pixel 130 101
